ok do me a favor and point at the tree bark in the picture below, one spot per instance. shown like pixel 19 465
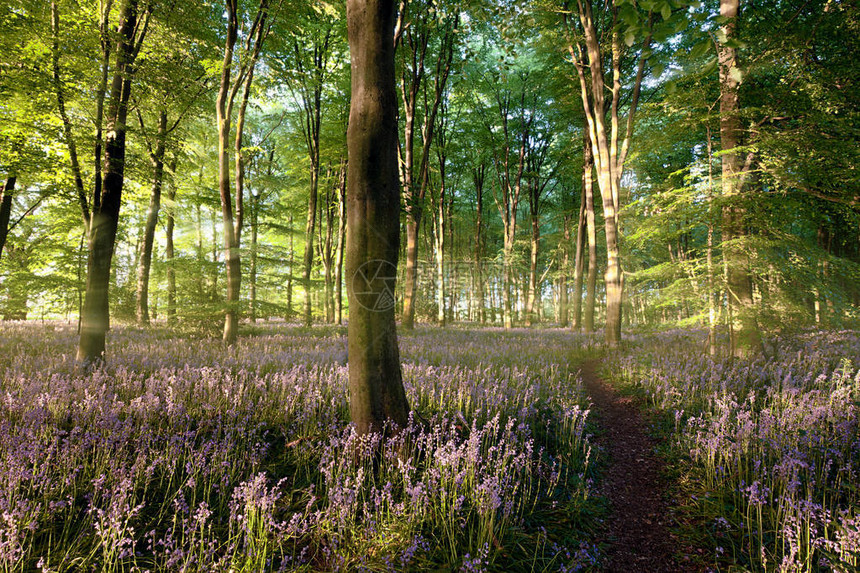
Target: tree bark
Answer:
pixel 376 388
pixel 169 252
pixel 95 315
pixel 145 263
pixel 563 299
pixel 746 338
pixel 292 264
pixel 252 271
pixel 579 262
pixel 610 145
pixel 417 37
pixel 232 217
pixel 311 90
pixel 223 111
pixel 6 209
pixel 478 174
pixel 591 232
pixel 341 243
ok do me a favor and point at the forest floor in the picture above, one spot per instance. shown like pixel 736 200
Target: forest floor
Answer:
pixel 637 533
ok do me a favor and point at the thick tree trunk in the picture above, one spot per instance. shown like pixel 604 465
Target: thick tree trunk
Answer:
pixel 145 263
pixel 747 338
pixel 6 209
pixel 95 315
pixel 169 252
pixel 373 210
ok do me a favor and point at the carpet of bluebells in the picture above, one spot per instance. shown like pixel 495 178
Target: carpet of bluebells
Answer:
pixel 180 455
pixel 771 443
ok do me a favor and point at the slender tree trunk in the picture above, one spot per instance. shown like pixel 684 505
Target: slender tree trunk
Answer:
pixel 64 116
pixel 410 285
pixel 416 191
pixel 747 339
pixel 232 216
pixel 440 256
pixel 532 286
pixel 308 259
pixel 6 209
pixel 563 302
pixel 252 271
pixel 373 210
pixel 709 255
pixel 224 108
pixel 579 262
pixel 169 253
pixel 95 315
pixel 478 175
pixel 145 263
pixel 292 265
pixel 591 229
pixel 341 243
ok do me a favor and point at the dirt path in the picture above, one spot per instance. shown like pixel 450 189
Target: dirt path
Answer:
pixel 637 529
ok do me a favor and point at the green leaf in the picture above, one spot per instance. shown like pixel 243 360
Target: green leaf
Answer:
pixel 628 15
pixel 666 11
pixel 700 49
pixel 657 70
pixel 629 38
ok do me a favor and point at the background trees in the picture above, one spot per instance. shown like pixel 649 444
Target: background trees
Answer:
pixel 521 177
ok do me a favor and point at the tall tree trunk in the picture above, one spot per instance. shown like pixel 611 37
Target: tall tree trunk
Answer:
pixel 292 264
pixel 341 243
pixel 563 302
pixel 232 217
pixel 95 315
pixel 709 255
pixel 579 262
pixel 609 143
pixel 308 258
pixel 6 209
pixel 145 263
pixel 478 174
pixel 201 262
pixel 311 90
pixel 439 238
pixel 223 110
pixel 373 210
pixel 410 285
pixel 168 252
pixel 252 271
pixel 591 230
pixel 747 338
pixel 417 37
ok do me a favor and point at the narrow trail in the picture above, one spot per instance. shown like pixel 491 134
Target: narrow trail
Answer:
pixel 636 532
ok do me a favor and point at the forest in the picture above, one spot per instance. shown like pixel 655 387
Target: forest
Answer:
pixel 365 285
